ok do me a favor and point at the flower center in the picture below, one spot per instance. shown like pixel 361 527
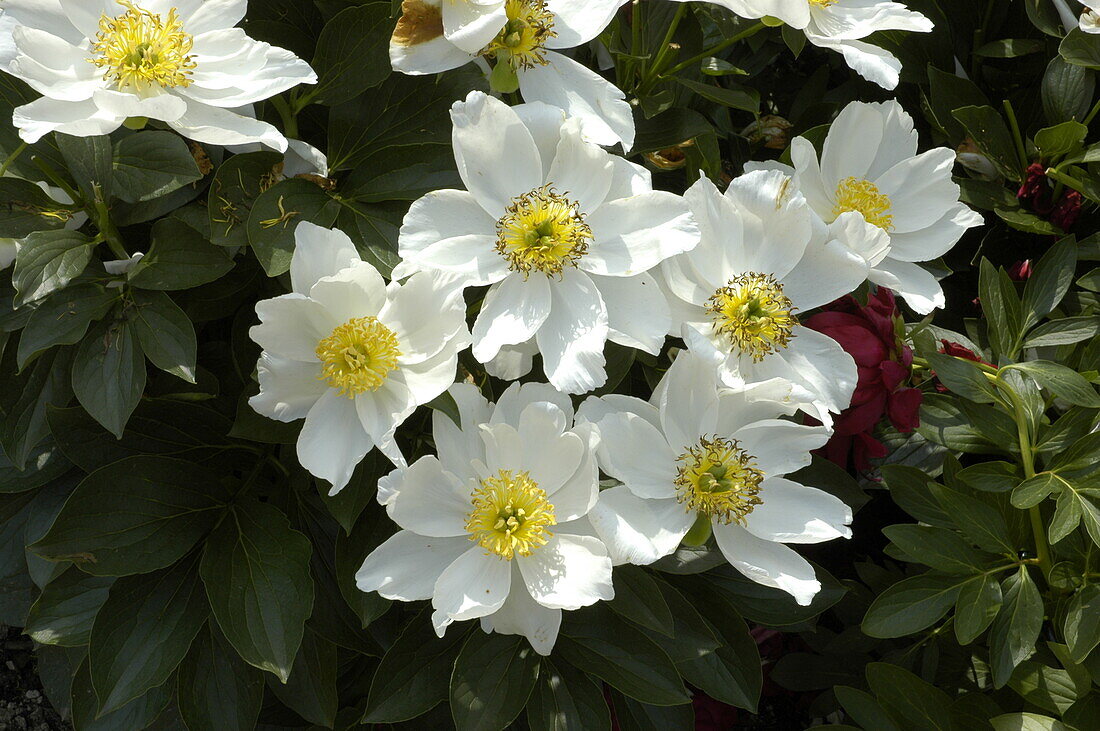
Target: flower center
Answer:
pixel 753 314
pixel 358 356
pixel 719 479
pixel 542 230
pixel 822 3
pixel 854 194
pixel 523 38
pixel 511 515
pixel 139 48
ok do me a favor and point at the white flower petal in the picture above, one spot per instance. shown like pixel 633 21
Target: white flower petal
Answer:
pixel 522 615
pixel 333 442
pixel 581 171
pixel 515 399
pixel 318 252
pixel 447 230
pixel 780 447
pixel 292 326
pixel 215 15
pixel 381 412
pixel 288 388
pixel 794 513
pixel 914 283
pixel 638 315
pixel 634 452
pixel 458 446
pixel 425 313
pixel 431 501
pixel 80 119
pixel 768 563
pixel 471 26
pixel 217 126
pixel 578 21
pixel 572 338
pixel 636 530
pixel 406 566
pixel 633 235
pixel 827 270
pixel 513 311
pixel 569 572
pixel 357 291
pixel 474 585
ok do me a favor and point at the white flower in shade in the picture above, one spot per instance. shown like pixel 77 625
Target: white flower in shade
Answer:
pixel 1090 17
pixel 562 231
pixel 841 25
pixel 699 461
pixel 351 355
pixel 99 62
pixel 520 35
pixel 908 202
pixel 494 527
pixel 736 297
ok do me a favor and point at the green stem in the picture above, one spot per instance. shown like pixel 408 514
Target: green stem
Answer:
pixel 1092 114
pixel 107 228
pixel 12 158
pixel 748 32
pixel 1021 148
pixel 1027 457
pixel 290 120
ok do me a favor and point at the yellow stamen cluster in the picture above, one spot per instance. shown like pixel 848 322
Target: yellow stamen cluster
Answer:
pixel 719 479
pixel 358 356
pixel 822 3
pixel 139 49
pixel 511 515
pixel 854 194
pixel 544 231
pixel 753 314
pixel 522 40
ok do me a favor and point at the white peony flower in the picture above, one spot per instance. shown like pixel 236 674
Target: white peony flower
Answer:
pixel 99 62
pixel 562 231
pixel 351 355
pixel 439 35
pixel 735 298
pixel 841 25
pixel 494 527
pixel 908 202
pixel 699 461
pixel 1090 16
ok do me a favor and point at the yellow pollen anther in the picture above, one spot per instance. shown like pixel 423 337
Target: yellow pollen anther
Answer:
pixel 822 3
pixel 511 515
pixel 753 314
pixel 854 194
pixel 139 49
pixel 358 356
pixel 522 40
pixel 543 231
pixel 719 479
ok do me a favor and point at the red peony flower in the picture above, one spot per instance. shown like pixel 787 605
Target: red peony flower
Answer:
pixel 870 335
pixel 1020 271
pixel 1035 190
pixel 1067 211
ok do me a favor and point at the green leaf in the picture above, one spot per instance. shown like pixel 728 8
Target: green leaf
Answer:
pixel 150 164
pixel 692 636
pixel 647 717
pixel 90 161
pixel 1082 622
pixel 602 645
pixel 670 128
pixel 910 489
pixel 911 605
pixel 977 605
pixel 1016 628
pixel 1027 722
pixel 180 258
pixel 1001 307
pixel 1080 48
pixel 310 691
pixel 256 571
pixel 985 126
pixel 166 427
pixel 1067 91
pixel 165 334
pixel 979 522
pixel 63 318
pixel 373 228
pixel 493 677
pixel 64 612
pixel 26 208
pixel 144 631
pixel 24 400
pixel 109 374
pixel 137 714
pixel 963 377
pixel 991 476
pixel 236 185
pixel 216 689
pixel 1061 139
pixel 1063 382
pixel 965 426
pixel 352 54
pixel 415 674
pixel 134 516
pixel 1078 456
pixel 938 548
pixel 1064 331
pixel 277 213
pixel 564 699
pixel 744 99
pixel 1009 48
pixel 639 599
pixel 1053 276
pixel 862 708
pixel 47 261
pixel 48 463
pixel 731 673
pixel 1035 490
pixel 910 700
pixel 948 92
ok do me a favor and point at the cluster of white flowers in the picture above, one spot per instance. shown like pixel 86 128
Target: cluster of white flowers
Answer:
pixel 571 248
